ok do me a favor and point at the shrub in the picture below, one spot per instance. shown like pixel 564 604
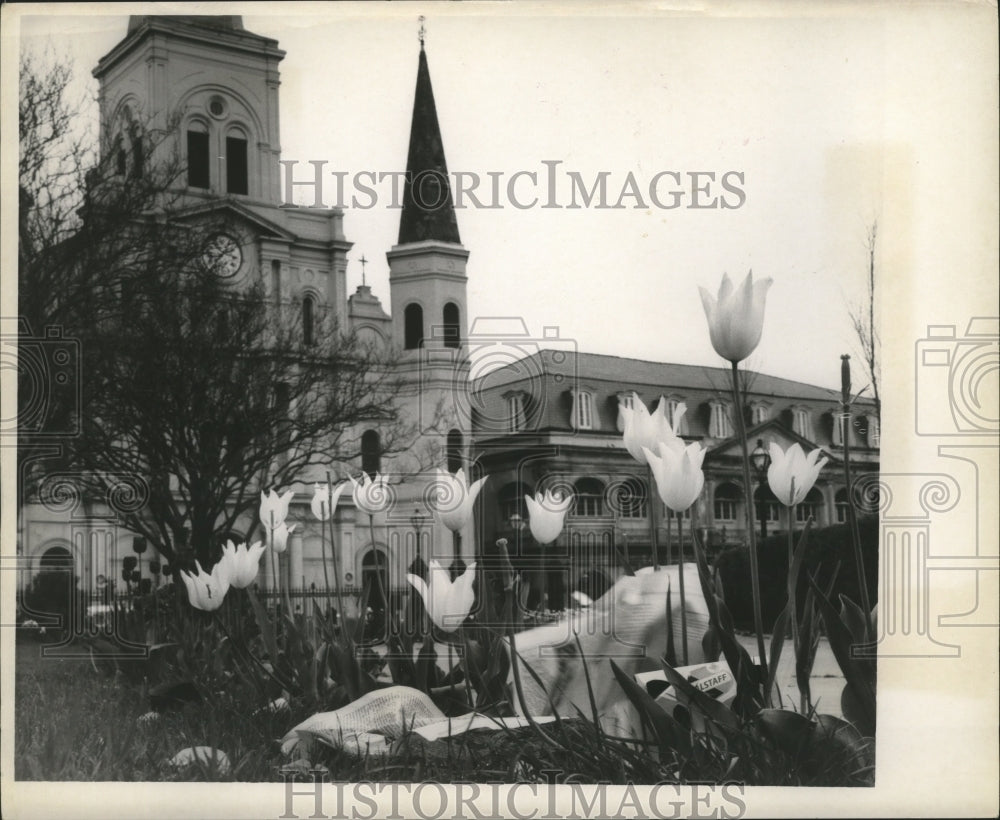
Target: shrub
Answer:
pixel 53 593
pixel 826 548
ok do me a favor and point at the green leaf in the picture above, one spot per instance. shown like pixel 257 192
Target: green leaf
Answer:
pixel 857 677
pixel 853 618
pixel 264 625
pixel 427 666
pixel 664 727
pixel 787 730
pixel 671 649
pixel 777 643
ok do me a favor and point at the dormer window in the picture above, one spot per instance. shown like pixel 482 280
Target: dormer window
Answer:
pixel 873 432
pixel 625 400
pixel 719 425
pixel 516 417
pixel 673 410
pixel 838 430
pixel 759 413
pixel 583 410
pixel 802 422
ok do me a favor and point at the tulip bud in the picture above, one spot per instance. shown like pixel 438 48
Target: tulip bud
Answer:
pixel 546 514
pixel 736 316
pixel 454 499
pixel 792 473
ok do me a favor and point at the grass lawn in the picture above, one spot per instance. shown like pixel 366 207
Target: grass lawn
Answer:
pixel 75 722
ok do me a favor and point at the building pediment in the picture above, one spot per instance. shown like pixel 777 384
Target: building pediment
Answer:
pixel 233 212
pixel 768 431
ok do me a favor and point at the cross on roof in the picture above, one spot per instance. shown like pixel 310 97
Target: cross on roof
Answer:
pixel 363 262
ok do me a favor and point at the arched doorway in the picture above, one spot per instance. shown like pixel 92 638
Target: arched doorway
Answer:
pixel 56 559
pixel 375 578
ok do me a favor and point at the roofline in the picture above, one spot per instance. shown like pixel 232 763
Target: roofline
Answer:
pixel 538 356
pixel 242 41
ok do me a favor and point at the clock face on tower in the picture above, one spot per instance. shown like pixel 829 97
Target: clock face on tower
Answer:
pixel 224 255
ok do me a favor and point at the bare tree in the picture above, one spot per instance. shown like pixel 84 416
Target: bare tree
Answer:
pixel 197 390
pixel 863 319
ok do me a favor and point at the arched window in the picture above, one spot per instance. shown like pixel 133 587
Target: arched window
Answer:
pixel 589 501
pixel 632 499
pixel 371 453
pixel 726 498
pixel 121 161
pixel 237 168
pixel 308 319
pixel 666 513
pixel 809 506
pixel 452 328
pixel 453 451
pixel 198 164
pixel 766 504
pixel 840 503
pixel 373 565
pixel 413 326
pixel 138 156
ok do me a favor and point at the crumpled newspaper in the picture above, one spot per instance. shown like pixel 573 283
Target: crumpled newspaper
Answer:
pixel 366 723
pixel 370 724
pixel 206 755
pixel 628 624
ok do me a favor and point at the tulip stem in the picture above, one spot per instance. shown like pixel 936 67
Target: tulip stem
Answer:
pixel 341 615
pixel 680 553
pixel 329 513
pixel 468 667
pixel 792 603
pixel 758 620
pixel 652 518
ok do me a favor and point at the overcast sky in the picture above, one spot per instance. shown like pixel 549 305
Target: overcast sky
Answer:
pixel 833 120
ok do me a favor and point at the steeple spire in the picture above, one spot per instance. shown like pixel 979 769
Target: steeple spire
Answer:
pixel 428 207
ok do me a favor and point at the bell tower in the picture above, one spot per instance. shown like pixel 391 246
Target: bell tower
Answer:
pixel 427 279
pixel 209 81
pixel 427 284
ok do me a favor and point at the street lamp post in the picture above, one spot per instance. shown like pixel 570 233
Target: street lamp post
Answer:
pixel 761 460
pixel 417 520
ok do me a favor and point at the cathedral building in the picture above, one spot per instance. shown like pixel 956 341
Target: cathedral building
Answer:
pixel 212 88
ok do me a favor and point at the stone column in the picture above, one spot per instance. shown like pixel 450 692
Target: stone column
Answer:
pixel 295 561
